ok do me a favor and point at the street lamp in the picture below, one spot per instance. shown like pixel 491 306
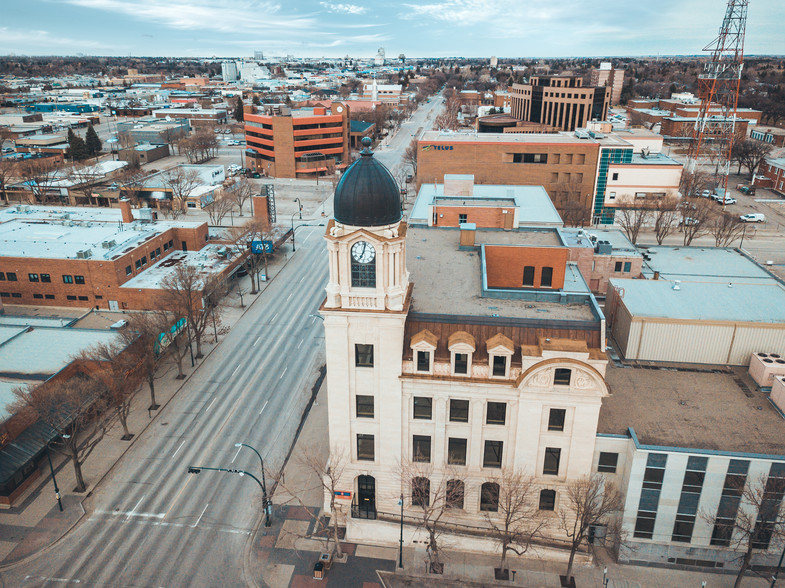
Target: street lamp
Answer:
pixel 241 473
pixel 605 577
pixel 300 204
pixel 400 545
pixel 267 520
pixel 54 481
pixel 777 571
pixel 293 246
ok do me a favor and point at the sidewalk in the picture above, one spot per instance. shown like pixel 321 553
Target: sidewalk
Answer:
pixel 35 523
pixel 284 554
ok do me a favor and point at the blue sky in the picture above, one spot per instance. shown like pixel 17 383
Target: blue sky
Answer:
pixel 433 28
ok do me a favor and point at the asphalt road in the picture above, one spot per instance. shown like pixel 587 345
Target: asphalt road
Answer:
pixel 150 523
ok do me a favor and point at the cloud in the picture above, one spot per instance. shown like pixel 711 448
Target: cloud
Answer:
pixel 13 40
pixel 344 8
pixel 478 12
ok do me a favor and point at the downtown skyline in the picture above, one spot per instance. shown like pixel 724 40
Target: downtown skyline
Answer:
pixel 313 28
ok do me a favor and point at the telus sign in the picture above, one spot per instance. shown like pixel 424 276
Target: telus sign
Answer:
pixel 437 147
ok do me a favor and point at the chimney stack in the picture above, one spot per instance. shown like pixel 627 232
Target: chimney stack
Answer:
pixel 125 210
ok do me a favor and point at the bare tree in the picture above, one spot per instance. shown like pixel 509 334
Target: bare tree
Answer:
pixel 40 176
pixel 666 217
pixel 696 214
pixel 726 228
pixel 750 153
pixel 631 218
pixel 432 496
pixel 240 191
pixel 692 183
pixel 516 522
pixel 74 409
pixel 181 182
pixel 241 237
pixel 117 374
pixel 129 180
pixel 218 209
pixel 589 501
pixel 144 337
pixel 410 155
pixel 576 214
pixel 758 520
pixel 329 473
pixel 8 170
pixel 448 119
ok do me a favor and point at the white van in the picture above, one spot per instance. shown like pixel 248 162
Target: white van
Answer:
pixel 753 217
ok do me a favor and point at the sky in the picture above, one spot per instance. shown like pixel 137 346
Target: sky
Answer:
pixel 428 28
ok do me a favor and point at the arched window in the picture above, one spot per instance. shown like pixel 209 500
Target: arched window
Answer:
pixel 455 492
pixel 489 497
pixel 363 265
pixel 547 499
pixel 421 492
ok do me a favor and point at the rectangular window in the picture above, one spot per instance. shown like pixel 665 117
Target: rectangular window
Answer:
pixel 166 246
pixel 499 365
pixel 32 277
pixel 547 277
pixel 80 279
pixel 728 508
pixel 547 500
pixel 421 448
pixel 556 419
pixel 497 413
pixel 10 276
pixel 71 297
pixel 158 252
pixel 530 158
pixel 363 274
pixel 46 278
pixel 364 406
pixel 562 376
pixel 528 275
pixel 550 466
pixel 456 451
pixel 461 363
pixel 423 407
pixel 16 295
pixel 2 277
pixel 492 456
pixel 627 266
pixel 650 495
pixel 38 296
pixel 144 260
pixel 49 296
pixel 617 267
pixel 128 270
pixel 365 449
pixel 363 355
pixel 83 298
pixel 615 176
pixel 423 361
pixel 138 264
pixel 463 218
pixel 68 279
pixel 459 411
pixel 607 463
pixel 5 294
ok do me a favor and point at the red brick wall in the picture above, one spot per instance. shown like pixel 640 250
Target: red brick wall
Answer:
pixel 504 265
pixel 483 217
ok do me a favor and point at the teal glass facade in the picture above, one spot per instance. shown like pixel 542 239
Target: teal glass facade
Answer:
pixel 608 155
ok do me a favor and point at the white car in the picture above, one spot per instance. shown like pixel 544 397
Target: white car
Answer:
pixel 753 217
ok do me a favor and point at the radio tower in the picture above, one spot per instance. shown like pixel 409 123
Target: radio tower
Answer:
pixel 714 133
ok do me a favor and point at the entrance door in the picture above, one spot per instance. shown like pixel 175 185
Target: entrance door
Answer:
pixel 113 305
pixel 507 220
pixel 366 498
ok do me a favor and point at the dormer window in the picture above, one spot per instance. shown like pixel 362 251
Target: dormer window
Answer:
pixel 500 352
pixel 461 346
pixel 562 376
pixel 423 346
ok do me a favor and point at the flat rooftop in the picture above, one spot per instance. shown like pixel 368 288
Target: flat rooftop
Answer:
pixel 705 264
pixel 574 237
pixel 210 260
pixel 543 138
pixel 449 281
pixel 690 409
pixel 535 207
pixel 533 237
pixel 704 301
pixel 59 233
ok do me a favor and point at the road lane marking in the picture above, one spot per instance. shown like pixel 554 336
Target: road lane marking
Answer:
pixel 301 280
pixel 283 372
pixel 236 454
pixel 133 510
pixel 200 516
pixel 235 370
pixel 261 411
pixel 45 579
pixel 274 317
pixel 290 295
pixel 300 343
pixel 211 404
pixel 130 513
pixel 179 448
pixel 257 341
pixel 208 528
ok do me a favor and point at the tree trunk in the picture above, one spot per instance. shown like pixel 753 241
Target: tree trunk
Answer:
pixel 80 485
pixel 503 563
pixel 151 384
pixel 123 414
pixel 573 549
pixel 180 374
pixel 745 564
pixel 199 354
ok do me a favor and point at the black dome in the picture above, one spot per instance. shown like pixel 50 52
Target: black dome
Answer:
pixel 367 195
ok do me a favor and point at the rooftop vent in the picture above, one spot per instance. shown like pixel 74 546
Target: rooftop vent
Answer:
pixel 84 254
pixel 677 285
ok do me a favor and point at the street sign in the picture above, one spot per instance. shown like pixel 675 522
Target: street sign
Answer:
pixel 264 246
pixel 343 494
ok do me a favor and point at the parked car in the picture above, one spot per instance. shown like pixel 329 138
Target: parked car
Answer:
pixel 690 221
pixel 728 200
pixel 706 194
pixel 753 217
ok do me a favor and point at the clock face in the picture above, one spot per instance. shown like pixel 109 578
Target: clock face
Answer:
pixel 363 252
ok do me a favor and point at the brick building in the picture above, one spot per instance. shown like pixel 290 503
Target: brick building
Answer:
pixel 772 175
pixel 72 257
pixel 562 163
pixel 303 143
pixel 559 101
pixel 610 77
pixel 196 116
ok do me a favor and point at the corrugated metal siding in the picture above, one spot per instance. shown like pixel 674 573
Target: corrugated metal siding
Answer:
pixel 621 328
pixel 685 342
pixel 751 339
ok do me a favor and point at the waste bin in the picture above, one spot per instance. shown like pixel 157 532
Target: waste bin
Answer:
pixel 318 571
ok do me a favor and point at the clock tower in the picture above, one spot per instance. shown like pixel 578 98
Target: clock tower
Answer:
pixel 364 314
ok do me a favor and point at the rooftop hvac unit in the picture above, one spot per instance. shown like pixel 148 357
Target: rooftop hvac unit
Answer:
pixel 108 244
pixel 677 284
pixel 84 254
pixel 603 248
